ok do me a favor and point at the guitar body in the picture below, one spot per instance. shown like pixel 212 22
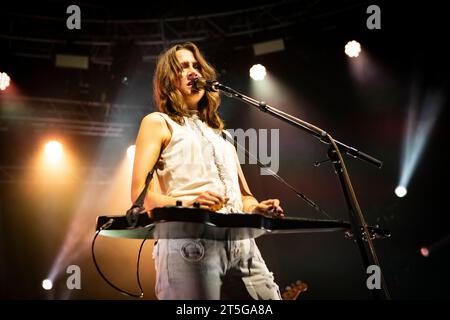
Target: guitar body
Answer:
pixel 293 291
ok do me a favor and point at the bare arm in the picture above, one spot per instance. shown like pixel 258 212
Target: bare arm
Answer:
pixel 152 136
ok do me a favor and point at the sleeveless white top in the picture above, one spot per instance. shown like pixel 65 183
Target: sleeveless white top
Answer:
pixel 198 159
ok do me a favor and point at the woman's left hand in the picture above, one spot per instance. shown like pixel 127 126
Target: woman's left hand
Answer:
pixel 270 208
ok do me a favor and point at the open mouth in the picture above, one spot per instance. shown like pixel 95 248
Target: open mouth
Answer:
pixel 191 80
pixel 193 89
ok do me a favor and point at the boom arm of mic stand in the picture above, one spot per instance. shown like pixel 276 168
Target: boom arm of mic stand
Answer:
pixel 298 123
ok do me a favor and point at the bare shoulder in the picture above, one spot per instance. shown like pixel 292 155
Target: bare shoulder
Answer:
pixel 154 119
pixel 155 125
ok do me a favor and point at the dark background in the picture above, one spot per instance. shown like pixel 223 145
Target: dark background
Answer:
pixel 370 115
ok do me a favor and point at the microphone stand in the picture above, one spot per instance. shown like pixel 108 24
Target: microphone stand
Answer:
pixel 359 225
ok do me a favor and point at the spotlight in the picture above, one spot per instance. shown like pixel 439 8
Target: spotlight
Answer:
pixel 400 191
pixel 53 151
pixel 47 284
pixel 420 121
pixel 424 252
pixel 352 49
pixel 130 152
pixel 258 72
pixel 436 246
pixel 125 81
pixel 4 80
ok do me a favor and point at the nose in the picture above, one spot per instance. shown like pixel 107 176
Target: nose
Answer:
pixel 192 75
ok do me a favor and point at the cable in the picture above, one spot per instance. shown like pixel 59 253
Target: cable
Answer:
pixel 106 225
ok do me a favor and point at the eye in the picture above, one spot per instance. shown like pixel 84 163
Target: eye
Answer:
pixel 197 67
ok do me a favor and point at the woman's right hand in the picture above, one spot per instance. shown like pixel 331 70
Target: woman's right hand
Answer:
pixel 209 200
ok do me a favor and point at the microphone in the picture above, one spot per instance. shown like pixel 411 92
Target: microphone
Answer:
pixel 202 83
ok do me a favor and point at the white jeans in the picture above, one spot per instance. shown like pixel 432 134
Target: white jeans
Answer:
pixel 202 269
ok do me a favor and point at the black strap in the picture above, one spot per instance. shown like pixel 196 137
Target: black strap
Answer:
pixel 138 206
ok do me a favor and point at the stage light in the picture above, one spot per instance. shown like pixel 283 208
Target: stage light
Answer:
pixel 125 81
pixel 47 284
pixel 420 122
pixel 110 195
pixel 424 252
pixel 352 49
pixel 258 72
pixel 130 152
pixel 4 80
pixel 435 247
pixel 400 191
pixel 53 151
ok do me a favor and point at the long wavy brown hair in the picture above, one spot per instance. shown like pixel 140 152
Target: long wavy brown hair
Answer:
pixel 170 100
